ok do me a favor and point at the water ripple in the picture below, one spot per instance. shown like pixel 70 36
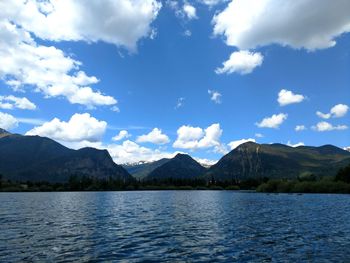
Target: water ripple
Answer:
pixel 173 226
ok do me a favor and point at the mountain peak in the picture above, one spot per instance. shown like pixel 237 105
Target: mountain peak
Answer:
pixel 182 156
pixel 182 166
pixel 330 149
pixel 4 133
pixel 246 145
pixel 34 158
pixel 251 160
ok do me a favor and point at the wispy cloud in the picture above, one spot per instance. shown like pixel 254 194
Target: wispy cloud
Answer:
pixel 32 121
pixel 180 103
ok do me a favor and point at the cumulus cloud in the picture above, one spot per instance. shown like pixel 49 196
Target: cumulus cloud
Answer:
pixel 273 122
pixel 259 135
pixel 131 152
pixel 326 126
pixel 242 62
pixel 122 22
pixel 286 97
pixel 234 144
pixel 194 138
pixel 26 64
pixel 300 128
pixel 123 134
pixel 155 136
pixel 295 145
pixel 309 24
pixel 7 121
pixel 215 96
pixel 80 127
pixel 184 12
pixel 337 111
pixel 190 11
pixel 11 102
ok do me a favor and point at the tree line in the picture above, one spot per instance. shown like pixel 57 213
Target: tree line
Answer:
pixel 305 183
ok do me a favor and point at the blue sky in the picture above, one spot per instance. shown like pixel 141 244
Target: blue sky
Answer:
pixel 158 66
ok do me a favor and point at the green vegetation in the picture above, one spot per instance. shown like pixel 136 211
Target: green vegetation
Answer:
pixel 309 183
pixel 83 183
pixel 343 175
pixel 305 183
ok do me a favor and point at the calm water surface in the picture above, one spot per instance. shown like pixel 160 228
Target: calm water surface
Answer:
pixel 173 226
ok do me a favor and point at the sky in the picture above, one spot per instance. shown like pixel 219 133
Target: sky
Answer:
pixel 146 79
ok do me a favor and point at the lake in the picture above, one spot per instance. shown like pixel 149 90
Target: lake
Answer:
pixel 192 226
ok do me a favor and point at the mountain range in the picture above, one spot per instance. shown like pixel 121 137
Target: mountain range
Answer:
pixel 252 160
pixel 142 169
pixel 35 158
pixel 182 166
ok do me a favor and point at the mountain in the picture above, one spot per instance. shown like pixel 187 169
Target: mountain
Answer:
pixel 35 158
pixel 252 160
pixel 182 166
pixel 142 169
pixel 3 133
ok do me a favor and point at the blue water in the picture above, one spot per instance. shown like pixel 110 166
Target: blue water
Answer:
pixel 173 226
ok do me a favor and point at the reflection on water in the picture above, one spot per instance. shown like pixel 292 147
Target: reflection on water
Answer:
pixel 195 226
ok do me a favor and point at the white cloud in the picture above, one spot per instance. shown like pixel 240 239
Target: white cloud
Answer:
pixel 180 103
pixel 259 135
pixel 211 137
pixel 323 115
pixel 326 126
pixel 131 152
pixel 11 102
pixel 286 97
pixel 155 136
pixel 300 128
pixel 234 144
pixel 242 62
pixel 80 127
pixel 126 152
pixel 115 109
pixel 337 111
pixel 215 96
pixel 32 121
pixel 187 33
pixel 194 138
pixel 190 11
pixel 211 3
pixel 123 134
pixel 25 64
pixel 221 148
pixel 7 121
pixel 122 22
pixel 295 145
pixel 273 122
pixel 309 24
pixel 185 12
pixel 205 162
